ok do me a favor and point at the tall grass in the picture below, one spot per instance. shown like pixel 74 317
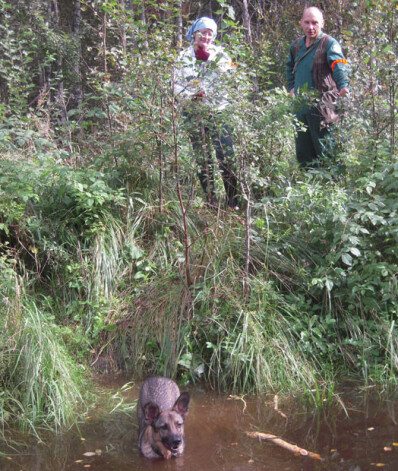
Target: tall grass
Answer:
pixel 41 386
pixel 208 330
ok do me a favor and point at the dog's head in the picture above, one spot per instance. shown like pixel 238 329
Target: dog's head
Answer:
pixel 168 425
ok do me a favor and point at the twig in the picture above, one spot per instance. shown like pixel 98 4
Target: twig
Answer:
pixel 276 408
pixel 288 446
pixel 179 194
pixel 238 398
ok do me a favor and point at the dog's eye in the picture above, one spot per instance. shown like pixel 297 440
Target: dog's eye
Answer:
pixel 179 424
pixel 164 427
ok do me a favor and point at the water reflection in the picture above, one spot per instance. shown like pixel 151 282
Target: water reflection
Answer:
pixel 362 437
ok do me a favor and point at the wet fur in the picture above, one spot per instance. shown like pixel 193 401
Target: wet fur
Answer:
pixel 161 415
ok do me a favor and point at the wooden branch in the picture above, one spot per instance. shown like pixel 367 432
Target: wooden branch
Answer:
pixel 289 446
pixel 276 408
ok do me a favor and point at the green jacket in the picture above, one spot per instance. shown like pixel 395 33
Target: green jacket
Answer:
pixel 302 77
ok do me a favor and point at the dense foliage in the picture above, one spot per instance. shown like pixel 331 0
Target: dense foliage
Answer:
pixel 109 258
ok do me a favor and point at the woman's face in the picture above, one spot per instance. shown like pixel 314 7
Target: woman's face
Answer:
pixel 203 38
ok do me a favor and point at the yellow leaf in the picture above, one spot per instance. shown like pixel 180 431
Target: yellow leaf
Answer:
pixel 371 428
pixel 395 444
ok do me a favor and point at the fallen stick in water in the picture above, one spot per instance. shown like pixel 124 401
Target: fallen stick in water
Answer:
pixel 284 444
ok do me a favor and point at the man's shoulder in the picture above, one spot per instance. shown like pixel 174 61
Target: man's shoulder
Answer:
pixel 297 41
pixel 296 45
pixel 332 44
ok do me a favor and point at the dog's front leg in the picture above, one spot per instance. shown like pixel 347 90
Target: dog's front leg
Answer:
pixel 162 450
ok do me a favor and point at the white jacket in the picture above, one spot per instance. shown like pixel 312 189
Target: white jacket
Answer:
pixel 192 76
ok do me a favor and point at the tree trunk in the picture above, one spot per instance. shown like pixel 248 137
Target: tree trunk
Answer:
pixel 60 96
pixel 179 25
pixel 78 90
pixel 123 27
pixel 246 22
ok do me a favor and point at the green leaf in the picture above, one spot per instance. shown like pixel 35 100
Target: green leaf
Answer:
pixel 347 259
pixel 329 284
pixel 355 251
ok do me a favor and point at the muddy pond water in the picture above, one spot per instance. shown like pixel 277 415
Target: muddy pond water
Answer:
pixel 359 432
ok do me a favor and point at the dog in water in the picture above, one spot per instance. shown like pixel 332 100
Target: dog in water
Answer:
pixel 161 414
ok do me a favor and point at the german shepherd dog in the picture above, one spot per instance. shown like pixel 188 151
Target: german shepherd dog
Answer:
pixel 161 414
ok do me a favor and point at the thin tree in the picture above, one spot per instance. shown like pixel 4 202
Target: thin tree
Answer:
pixel 246 21
pixel 78 90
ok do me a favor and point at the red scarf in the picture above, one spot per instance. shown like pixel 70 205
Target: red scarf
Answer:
pixel 201 54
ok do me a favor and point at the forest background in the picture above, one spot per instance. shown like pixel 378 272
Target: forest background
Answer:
pixel 111 261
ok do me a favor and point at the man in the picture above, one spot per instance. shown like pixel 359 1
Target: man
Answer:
pixel 316 62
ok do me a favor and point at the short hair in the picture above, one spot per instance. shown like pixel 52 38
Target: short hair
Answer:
pixel 314 8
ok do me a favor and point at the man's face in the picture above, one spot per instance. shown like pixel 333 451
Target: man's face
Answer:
pixel 312 23
pixel 203 38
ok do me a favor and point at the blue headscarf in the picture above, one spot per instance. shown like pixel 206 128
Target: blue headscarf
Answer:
pixel 202 23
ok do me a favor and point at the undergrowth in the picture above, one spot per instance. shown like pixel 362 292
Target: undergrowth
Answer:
pixel 111 260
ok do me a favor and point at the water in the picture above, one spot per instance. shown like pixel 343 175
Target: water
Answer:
pixel 358 434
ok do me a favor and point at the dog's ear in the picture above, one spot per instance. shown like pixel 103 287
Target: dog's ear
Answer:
pixel 181 405
pixel 151 412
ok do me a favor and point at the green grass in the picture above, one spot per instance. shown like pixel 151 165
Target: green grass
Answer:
pixel 41 386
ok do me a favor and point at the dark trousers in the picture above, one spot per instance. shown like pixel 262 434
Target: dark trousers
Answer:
pixel 203 136
pixel 310 143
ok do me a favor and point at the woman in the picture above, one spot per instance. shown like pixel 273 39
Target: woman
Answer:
pixel 199 84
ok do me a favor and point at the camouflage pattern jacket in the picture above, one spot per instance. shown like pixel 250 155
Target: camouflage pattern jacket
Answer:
pixel 203 79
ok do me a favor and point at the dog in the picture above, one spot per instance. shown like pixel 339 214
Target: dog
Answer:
pixel 161 414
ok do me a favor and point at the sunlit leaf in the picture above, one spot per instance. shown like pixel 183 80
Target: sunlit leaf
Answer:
pixel 347 259
pixel 355 251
